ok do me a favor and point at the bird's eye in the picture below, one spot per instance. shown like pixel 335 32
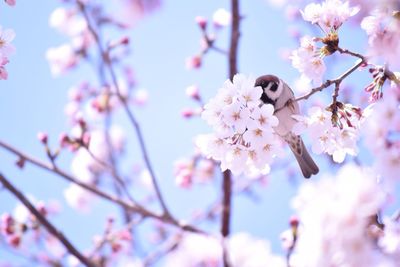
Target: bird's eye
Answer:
pixel 274 87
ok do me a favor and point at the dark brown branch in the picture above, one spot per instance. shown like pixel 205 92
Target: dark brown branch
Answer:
pixel 234 42
pixel 346 51
pixel 106 58
pixel 49 227
pixel 227 176
pixel 129 206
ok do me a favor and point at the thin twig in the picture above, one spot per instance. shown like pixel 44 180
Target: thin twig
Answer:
pixel 49 227
pixel 134 207
pixel 328 83
pixel 106 58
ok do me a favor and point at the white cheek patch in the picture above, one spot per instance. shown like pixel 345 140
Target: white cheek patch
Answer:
pixel 277 93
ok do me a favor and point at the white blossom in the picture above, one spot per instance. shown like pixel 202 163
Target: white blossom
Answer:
pixel 243 139
pixel 334 214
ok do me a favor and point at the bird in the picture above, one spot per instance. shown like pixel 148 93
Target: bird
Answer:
pixel 277 93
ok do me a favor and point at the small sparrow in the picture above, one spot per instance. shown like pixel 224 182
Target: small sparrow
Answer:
pixel 277 93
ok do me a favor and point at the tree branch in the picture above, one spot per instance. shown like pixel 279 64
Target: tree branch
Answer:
pixel 108 64
pixel 49 227
pixel 227 176
pixel 129 206
pixel 328 83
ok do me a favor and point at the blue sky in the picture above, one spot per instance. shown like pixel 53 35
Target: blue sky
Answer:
pixel 31 100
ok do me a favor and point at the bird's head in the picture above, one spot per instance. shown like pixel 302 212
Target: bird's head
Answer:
pixel 272 88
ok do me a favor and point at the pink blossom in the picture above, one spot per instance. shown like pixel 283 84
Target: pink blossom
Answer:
pixel 308 60
pixel 6 36
pixel 201 21
pixel 61 59
pixel 222 18
pixel 333 229
pixel 141 97
pixel 67 21
pixel 11 2
pixel 43 137
pixel 78 198
pixel 383 31
pixel 193 62
pixel 193 92
pixel 329 15
pixel 3 73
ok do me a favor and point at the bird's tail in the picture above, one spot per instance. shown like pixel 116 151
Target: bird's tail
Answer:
pixel 305 161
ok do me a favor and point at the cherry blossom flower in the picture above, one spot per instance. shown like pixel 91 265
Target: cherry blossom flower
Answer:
pixel 78 198
pixel 193 170
pixel 247 251
pixel 243 139
pixel 222 18
pixel 329 138
pixel 329 15
pixel 383 30
pixel 243 251
pixel 333 228
pixel 61 59
pixel 390 240
pixel 6 37
pixel 307 59
pixel 3 71
pixel 68 21
pixel 11 2
pixel 382 141
pixel 193 62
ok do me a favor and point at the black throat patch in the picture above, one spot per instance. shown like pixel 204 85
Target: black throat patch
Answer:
pixel 264 98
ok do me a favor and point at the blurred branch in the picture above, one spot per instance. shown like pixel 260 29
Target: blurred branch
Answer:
pixel 134 207
pixel 49 227
pixel 108 64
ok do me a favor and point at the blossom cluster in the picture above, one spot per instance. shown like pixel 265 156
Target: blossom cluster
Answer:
pixel 70 22
pixel 220 19
pixel 243 140
pixel 89 163
pixel 21 224
pixel 383 30
pixel 327 137
pixel 382 132
pixel 6 49
pixel 243 251
pixel 329 16
pixel 188 171
pixel 338 223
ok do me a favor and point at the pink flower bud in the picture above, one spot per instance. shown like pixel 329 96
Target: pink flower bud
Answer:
pixel 64 140
pixel 86 139
pixel 41 207
pixel 11 2
pixel 187 113
pixel 193 92
pixel 193 62
pixel 294 221
pixel 7 223
pixel 43 137
pixel 115 247
pixel 20 162
pixel 14 240
pixel 201 21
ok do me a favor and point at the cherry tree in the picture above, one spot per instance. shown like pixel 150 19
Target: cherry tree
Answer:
pixel 342 216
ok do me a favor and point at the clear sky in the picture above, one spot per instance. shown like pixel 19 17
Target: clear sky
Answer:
pixel 31 100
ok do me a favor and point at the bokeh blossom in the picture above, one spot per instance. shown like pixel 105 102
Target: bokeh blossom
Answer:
pixel 335 214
